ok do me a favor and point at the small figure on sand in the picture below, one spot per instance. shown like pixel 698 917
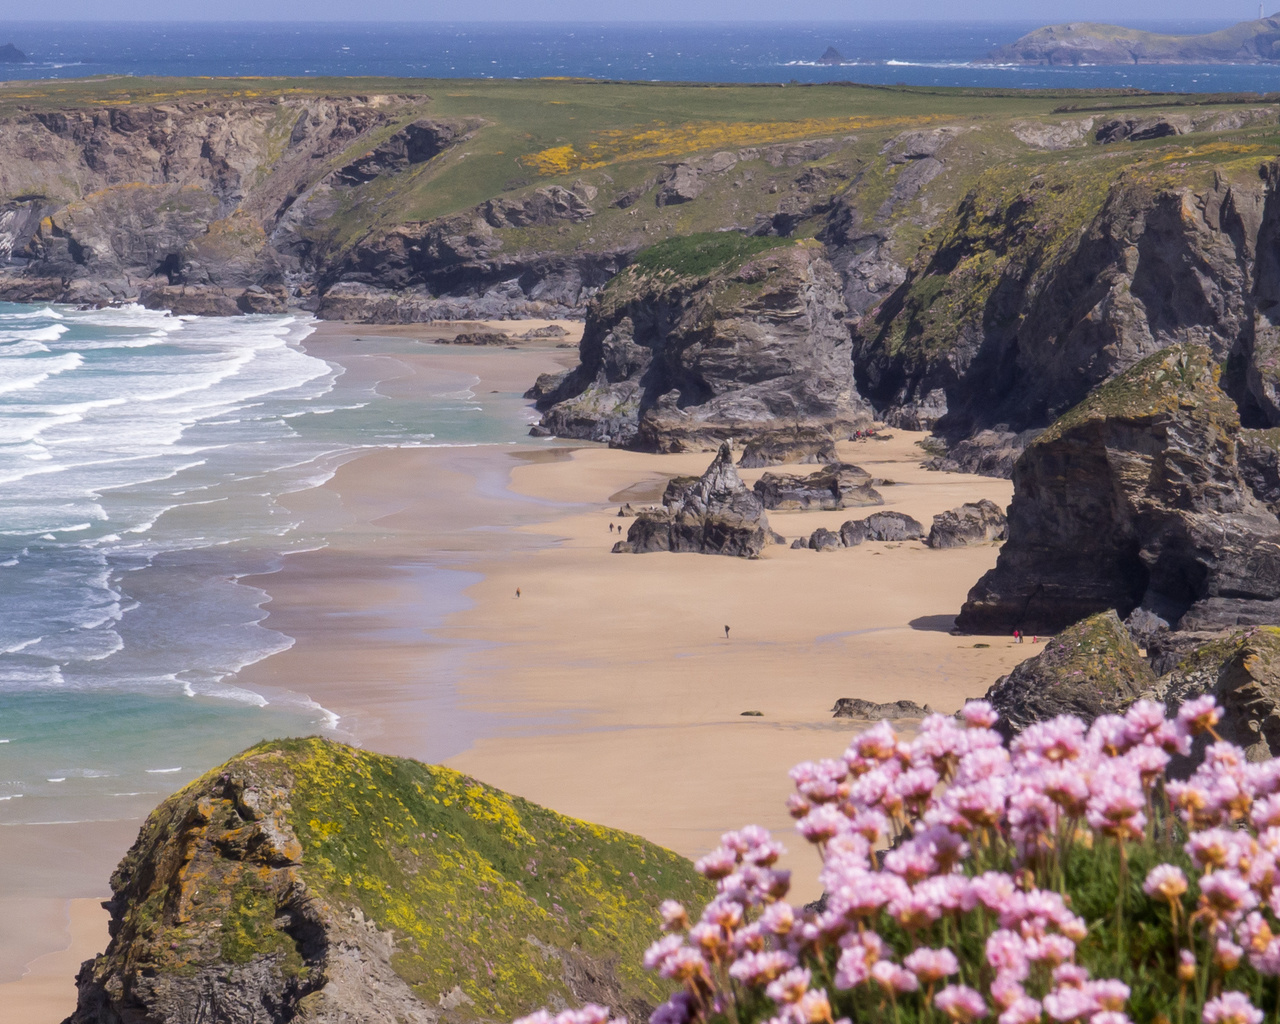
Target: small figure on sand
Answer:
pixel 726 632
pixel 517 592
pixel 1017 636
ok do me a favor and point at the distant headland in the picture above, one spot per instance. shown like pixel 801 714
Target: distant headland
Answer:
pixel 10 54
pixel 1085 42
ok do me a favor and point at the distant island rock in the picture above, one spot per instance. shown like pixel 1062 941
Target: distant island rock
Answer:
pixel 10 54
pixel 832 56
pixel 1086 42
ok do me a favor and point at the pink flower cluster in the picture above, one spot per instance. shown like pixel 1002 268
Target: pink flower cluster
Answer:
pixel 977 834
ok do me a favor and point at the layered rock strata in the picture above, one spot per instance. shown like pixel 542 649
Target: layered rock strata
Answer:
pixel 673 361
pixel 1136 499
pixel 837 486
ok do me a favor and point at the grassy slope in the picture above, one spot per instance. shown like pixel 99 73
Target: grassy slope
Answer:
pixel 461 873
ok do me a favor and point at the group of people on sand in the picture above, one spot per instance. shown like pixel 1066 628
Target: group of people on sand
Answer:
pixel 859 435
pixel 1017 637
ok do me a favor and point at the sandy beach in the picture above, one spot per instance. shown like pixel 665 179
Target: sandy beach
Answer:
pixel 607 690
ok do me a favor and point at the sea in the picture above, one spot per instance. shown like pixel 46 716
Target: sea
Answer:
pixel 884 52
pixel 143 456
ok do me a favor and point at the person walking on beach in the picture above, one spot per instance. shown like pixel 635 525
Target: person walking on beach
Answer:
pixel 1017 636
pixel 517 592
pixel 726 632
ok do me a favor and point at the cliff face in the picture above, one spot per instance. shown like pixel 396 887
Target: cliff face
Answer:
pixel 1136 499
pixel 308 880
pixel 1039 291
pixel 710 338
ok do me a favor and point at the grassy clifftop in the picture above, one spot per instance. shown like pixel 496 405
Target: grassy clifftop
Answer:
pixel 479 901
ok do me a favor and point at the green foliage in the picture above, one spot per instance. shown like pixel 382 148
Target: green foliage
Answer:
pixel 463 874
pixel 703 254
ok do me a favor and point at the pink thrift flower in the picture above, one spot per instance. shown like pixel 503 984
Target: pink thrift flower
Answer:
pixel 1068 1003
pixel 1166 882
pixel 979 714
pixel 717 864
pixel 679 1009
pixel 1226 893
pixel 778 918
pixel 683 965
pixel 754 968
pixel 822 823
pixel 674 916
pixel 811 1008
pixel 1197 716
pixel 1110 1017
pixel 1109 993
pixel 789 987
pixel 659 952
pixel 1022 1011
pixel 930 965
pixel 962 1004
pixel 893 978
pixel 1070 974
pixel 1231 1008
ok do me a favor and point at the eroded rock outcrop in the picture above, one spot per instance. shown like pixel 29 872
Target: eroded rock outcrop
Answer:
pixel 856 707
pixel 978 522
pixel 840 485
pixel 1092 668
pixel 777 447
pixel 305 880
pixel 713 514
pixel 1136 498
pixel 710 338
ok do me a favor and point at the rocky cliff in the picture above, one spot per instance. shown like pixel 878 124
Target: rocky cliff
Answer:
pixel 709 338
pixel 1136 499
pixel 1248 42
pixel 306 880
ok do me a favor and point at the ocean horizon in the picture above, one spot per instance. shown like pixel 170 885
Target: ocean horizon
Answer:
pixel 934 54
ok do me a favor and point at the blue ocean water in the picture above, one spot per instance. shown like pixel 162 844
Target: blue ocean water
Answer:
pixel 913 53
pixel 142 457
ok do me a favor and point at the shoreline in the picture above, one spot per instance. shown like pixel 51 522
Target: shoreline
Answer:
pixel 607 691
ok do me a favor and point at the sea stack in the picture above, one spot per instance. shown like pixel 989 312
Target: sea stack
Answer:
pixel 10 54
pixel 832 56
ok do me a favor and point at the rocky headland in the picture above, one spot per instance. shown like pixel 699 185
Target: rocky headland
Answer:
pixel 1248 42
pixel 306 880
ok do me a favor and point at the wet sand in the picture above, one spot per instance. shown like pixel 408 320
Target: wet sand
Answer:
pixel 608 689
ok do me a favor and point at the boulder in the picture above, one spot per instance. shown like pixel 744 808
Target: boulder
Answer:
pixel 308 880
pixel 712 514
pixel 1092 668
pixel 484 338
pixel 972 523
pixel 775 448
pixel 853 532
pixel 1135 498
pixel 680 185
pixel 823 539
pixel 834 487
pixel 855 707
pixel 892 526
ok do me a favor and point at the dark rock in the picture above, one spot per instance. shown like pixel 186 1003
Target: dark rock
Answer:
pixel 972 523
pixel 1242 673
pixel 10 54
pixel 1135 498
pixel 986 453
pixel 626 511
pixel 1259 455
pixel 712 514
pixel 413 144
pixel 1090 669
pixel 834 487
pixel 853 532
pixel 210 300
pixel 681 184
pixel 831 56
pixel 892 526
pixel 672 362
pixel 550 331
pixel 483 338
pixel 775 448
pixel 823 539
pixel 1140 129
pixel 799 544
pixel 547 384
pixel 855 707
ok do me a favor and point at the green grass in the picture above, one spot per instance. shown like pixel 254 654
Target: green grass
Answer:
pixel 702 254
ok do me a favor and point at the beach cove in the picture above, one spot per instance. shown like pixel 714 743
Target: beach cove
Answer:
pixel 607 689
